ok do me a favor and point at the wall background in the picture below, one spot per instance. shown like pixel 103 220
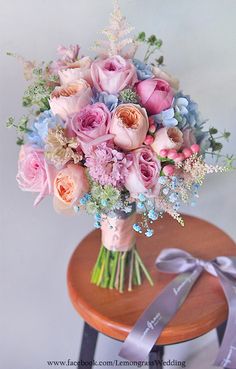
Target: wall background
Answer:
pixel 37 321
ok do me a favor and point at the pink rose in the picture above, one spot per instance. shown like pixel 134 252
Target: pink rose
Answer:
pixel 159 73
pixel 70 185
pixel 188 138
pixel 155 95
pixel 79 69
pixel 34 174
pixel 167 138
pixel 90 124
pixel 129 124
pixel 144 172
pixel 113 74
pixel 70 98
pixel 67 55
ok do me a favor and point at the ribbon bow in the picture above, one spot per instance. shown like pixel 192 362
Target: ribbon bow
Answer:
pixel 151 323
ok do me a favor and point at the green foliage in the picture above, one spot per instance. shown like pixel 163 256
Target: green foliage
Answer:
pixel 153 44
pixel 128 96
pixel 103 198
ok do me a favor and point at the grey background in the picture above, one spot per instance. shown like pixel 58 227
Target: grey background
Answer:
pixel 37 321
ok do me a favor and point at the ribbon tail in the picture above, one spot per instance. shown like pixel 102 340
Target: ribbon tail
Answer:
pixel 151 323
pixel 227 353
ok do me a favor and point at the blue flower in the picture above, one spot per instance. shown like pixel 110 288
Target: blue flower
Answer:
pixel 149 232
pixel 162 180
pixel 137 228
pixel 141 197
pixel 188 110
pixel 97 225
pixel 152 214
pixel 39 128
pixel 166 117
pixel 111 101
pixel 143 70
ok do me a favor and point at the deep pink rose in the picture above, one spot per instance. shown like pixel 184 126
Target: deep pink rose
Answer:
pixel 155 95
pixel 34 174
pixel 144 172
pixel 113 74
pixel 129 124
pixel 89 124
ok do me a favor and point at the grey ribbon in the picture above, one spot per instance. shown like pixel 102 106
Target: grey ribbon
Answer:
pixel 151 323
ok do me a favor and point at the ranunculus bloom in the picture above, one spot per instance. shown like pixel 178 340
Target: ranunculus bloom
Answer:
pixel 167 138
pixel 70 185
pixel 144 172
pixel 113 74
pixel 129 124
pixel 34 174
pixel 188 137
pixel 76 70
pixel 159 73
pixel 70 98
pixel 90 124
pixel 155 95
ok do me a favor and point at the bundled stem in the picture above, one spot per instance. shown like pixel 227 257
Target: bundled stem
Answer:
pixel 112 266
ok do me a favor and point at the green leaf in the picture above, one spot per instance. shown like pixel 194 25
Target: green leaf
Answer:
pixel 10 122
pixel 213 131
pixel 152 40
pixel 141 36
pixel 20 141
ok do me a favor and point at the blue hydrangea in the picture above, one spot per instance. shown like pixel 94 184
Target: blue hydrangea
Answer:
pixel 111 101
pixel 188 110
pixel 166 118
pixel 39 128
pixel 143 70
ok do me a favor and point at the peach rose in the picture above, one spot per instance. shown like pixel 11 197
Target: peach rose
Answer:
pixel 167 138
pixel 70 98
pixel 77 70
pixel 129 124
pixel 70 185
pixel 159 73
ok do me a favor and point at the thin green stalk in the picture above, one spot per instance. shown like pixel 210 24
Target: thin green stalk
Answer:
pixel 102 268
pixel 137 269
pixel 105 281
pixel 118 272
pixel 149 278
pixel 122 272
pixel 131 269
pixel 113 271
pixel 96 268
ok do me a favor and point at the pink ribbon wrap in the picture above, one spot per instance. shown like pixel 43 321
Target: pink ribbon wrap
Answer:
pixel 118 233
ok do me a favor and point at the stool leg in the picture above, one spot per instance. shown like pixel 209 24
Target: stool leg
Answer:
pixel 220 331
pixel 156 357
pixel 88 346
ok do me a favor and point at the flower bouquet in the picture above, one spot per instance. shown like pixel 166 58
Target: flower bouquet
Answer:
pixel 114 136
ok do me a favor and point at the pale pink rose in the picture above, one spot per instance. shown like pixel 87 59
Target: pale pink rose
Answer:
pixel 155 95
pixel 79 69
pixel 188 138
pixel 67 55
pixel 113 74
pixel 90 125
pixel 129 124
pixel 159 73
pixel 70 185
pixel 167 138
pixel 34 174
pixel 144 172
pixel 70 98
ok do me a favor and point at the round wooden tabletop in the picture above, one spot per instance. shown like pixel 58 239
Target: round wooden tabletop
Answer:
pixel 114 314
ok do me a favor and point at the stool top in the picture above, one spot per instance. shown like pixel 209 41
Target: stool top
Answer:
pixel 114 314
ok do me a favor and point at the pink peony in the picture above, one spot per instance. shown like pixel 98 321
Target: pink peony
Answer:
pixel 161 74
pixel 155 95
pixel 144 172
pixel 70 185
pixel 70 98
pixel 34 174
pixel 167 138
pixel 129 124
pixel 113 74
pixel 79 69
pixel 108 166
pixel 90 124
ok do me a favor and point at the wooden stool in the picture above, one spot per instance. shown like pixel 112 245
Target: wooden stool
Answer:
pixel 114 314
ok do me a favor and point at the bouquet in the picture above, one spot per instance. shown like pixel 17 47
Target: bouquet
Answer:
pixel 114 136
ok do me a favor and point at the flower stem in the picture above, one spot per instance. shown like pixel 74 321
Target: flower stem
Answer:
pixel 96 268
pixel 137 269
pixel 118 272
pixel 148 276
pixel 122 272
pixel 113 270
pixel 131 270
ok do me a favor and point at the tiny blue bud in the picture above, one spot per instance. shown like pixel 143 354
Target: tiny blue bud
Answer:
pixel 104 202
pixel 149 232
pixel 140 205
pixel 162 180
pixel 137 228
pixel 141 197
pixel 165 190
pixel 97 224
